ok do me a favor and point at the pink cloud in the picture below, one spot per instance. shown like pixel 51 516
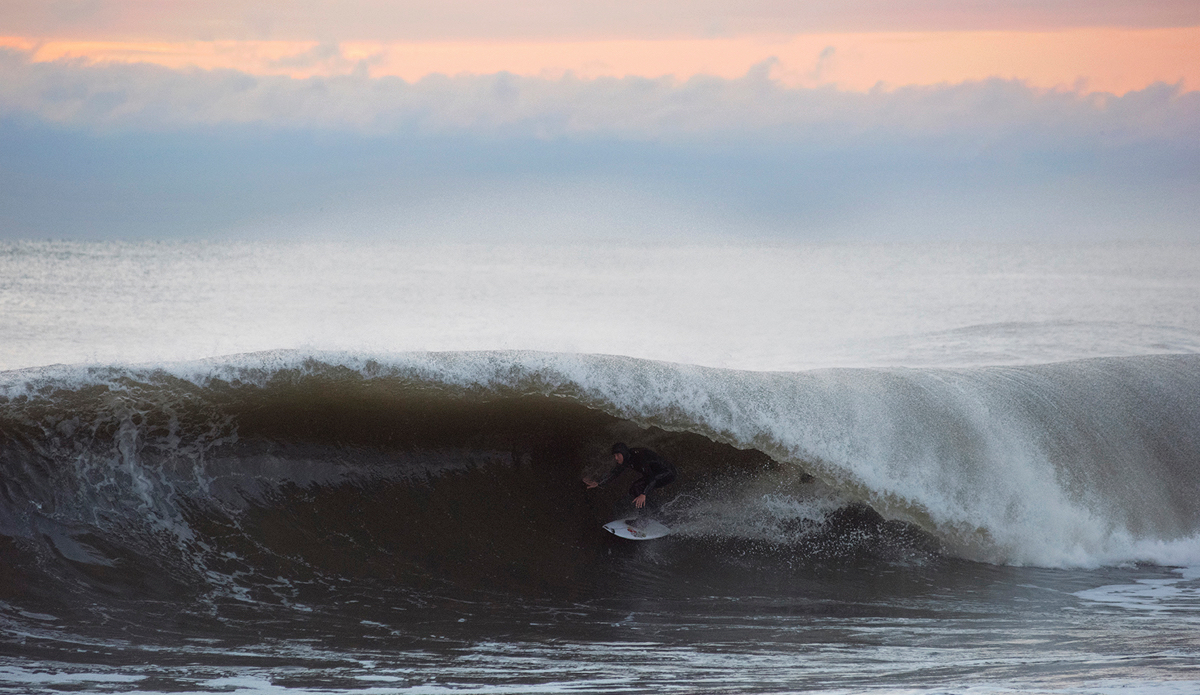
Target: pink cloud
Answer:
pixel 1097 59
pixel 561 20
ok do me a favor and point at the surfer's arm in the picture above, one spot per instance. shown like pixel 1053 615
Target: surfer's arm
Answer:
pixel 611 474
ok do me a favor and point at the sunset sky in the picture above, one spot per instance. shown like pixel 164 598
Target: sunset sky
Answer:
pixel 117 116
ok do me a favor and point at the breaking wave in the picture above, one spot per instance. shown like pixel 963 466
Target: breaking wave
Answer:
pixel 466 466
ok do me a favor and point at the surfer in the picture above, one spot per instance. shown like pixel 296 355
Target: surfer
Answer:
pixel 655 470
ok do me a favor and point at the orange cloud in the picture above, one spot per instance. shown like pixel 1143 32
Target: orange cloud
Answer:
pixel 1098 59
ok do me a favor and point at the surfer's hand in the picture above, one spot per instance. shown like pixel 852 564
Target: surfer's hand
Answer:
pixel 639 501
pixel 590 483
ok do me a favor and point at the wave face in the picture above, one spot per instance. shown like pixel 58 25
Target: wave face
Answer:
pixel 465 467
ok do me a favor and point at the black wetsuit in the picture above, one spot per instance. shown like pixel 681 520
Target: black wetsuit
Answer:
pixel 656 471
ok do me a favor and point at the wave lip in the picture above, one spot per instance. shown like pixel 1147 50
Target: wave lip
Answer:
pixel 1071 464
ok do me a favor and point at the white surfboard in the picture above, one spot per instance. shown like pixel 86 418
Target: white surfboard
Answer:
pixel 637 529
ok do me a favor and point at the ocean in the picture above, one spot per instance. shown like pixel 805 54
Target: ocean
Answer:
pixel 355 467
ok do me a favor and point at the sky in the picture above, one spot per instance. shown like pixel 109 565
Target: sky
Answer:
pixel 844 119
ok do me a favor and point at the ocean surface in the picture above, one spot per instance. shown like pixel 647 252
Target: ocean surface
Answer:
pixel 303 467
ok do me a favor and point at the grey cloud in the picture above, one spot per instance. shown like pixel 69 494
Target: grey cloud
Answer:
pixel 320 54
pixel 983 114
pixel 140 150
pixel 824 59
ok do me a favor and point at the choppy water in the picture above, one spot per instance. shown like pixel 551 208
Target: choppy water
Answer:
pixel 903 469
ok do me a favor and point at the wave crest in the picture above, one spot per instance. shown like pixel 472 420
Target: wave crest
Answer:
pixel 1071 464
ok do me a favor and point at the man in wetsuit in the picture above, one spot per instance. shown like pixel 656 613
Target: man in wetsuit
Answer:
pixel 656 471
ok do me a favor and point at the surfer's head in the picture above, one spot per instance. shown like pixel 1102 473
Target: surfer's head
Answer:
pixel 620 451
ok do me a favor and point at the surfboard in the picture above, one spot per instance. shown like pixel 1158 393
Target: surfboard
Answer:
pixel 637 529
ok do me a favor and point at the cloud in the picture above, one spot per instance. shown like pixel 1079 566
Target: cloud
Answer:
pixel 824 59
pixel 1114 60
pixel 977 115
pixel 424 20
pixel 142 150
pixel 321 54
